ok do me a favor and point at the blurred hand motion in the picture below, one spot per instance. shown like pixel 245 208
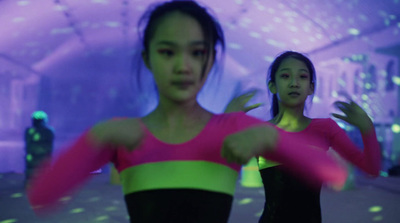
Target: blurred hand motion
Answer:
pixel 121 132
pixel 239 103
pixel 354 115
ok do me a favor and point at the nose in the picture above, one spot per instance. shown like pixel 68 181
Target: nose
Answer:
pixel 294 82
pixel 182 64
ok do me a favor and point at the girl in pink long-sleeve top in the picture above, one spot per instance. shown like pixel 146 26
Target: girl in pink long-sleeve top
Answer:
pixel 180 162
pixel 291 80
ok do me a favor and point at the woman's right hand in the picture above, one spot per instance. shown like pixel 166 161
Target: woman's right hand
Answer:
pixel 240 147
pixel 239 103
pixel 118 132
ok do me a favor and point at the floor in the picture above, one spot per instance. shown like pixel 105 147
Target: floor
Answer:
pixel 364 201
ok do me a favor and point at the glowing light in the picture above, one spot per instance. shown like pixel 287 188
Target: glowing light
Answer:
pixel 375 209
pixel 39 115
pixel 275 43
pixel 66 30
pixel 60 8
pixel 23 3
pixel 36 137
pixel 29 157
pixel 396 80
pixel 271 10
pixel 245 201
pixel 234 46
pixel 18 19
pixel 113 24
pixel 269 58
pixel 16 195
pixel 334 94
pixel 341 125
pixel 364 97
pixel 316 99
pixel 31 131
pixel 255 35
pixel 100 1
pixel 77 210
pixel 277 19
pixel 260 7
pixel 266 29
pixel 368 86
pixel 342 82
pixel 65 198
pixel 102 218
pixel 94 199
pixel 293 29
pixel 396 128
pixel 110 208
pixel 387 22
pixel 9 221
pixel 383 174
pixel 353 31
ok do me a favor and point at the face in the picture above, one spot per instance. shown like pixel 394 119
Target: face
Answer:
pixel 292 83
pixel 177 57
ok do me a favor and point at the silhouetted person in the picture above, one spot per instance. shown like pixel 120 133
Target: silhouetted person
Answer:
pixel 38 142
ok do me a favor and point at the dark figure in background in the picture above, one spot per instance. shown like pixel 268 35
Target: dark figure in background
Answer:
pixel 38 142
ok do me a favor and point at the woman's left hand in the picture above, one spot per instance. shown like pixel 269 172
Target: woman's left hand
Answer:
pixel 239 103
pixel 354 115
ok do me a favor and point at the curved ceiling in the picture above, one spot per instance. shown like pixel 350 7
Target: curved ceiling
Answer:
pixel 37 34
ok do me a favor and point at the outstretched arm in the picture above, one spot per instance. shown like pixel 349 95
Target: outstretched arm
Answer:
pixel 72 168
pixel 369 159
pixel 314 166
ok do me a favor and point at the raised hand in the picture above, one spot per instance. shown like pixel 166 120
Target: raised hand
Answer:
pixel 121 132
pixel 240 147
pixel 239 103
pixel 354 115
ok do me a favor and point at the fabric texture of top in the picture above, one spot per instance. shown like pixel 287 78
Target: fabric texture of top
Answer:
pixel 287 197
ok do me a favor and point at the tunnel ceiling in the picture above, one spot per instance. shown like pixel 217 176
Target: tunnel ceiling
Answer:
pixel 34 34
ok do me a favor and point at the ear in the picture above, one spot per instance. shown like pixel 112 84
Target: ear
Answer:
pixel 312 89
pixel 145 58
pixel 272 87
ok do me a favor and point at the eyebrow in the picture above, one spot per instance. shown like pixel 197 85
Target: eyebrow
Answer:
pixel 285 69
pixel 170 43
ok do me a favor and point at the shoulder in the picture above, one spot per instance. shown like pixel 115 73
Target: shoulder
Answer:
pixel 327 125
pixel 238 116
pixel 237 120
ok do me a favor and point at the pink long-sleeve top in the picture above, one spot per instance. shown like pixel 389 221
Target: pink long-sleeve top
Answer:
pixel 325 133
pixel 154 164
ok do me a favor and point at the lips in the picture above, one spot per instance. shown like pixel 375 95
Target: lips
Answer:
pixel 294 93
pixel 182 83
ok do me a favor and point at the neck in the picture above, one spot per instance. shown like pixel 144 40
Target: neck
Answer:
pixel 291 119
pixel 177 114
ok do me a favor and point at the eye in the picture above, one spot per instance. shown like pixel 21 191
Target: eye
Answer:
pixel 199 52
pixel 304 76
pixel 166 52
pixel 284 76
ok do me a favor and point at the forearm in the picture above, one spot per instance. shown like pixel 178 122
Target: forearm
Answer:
pixel 312 165
pixel 372 152
pixel 71 169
